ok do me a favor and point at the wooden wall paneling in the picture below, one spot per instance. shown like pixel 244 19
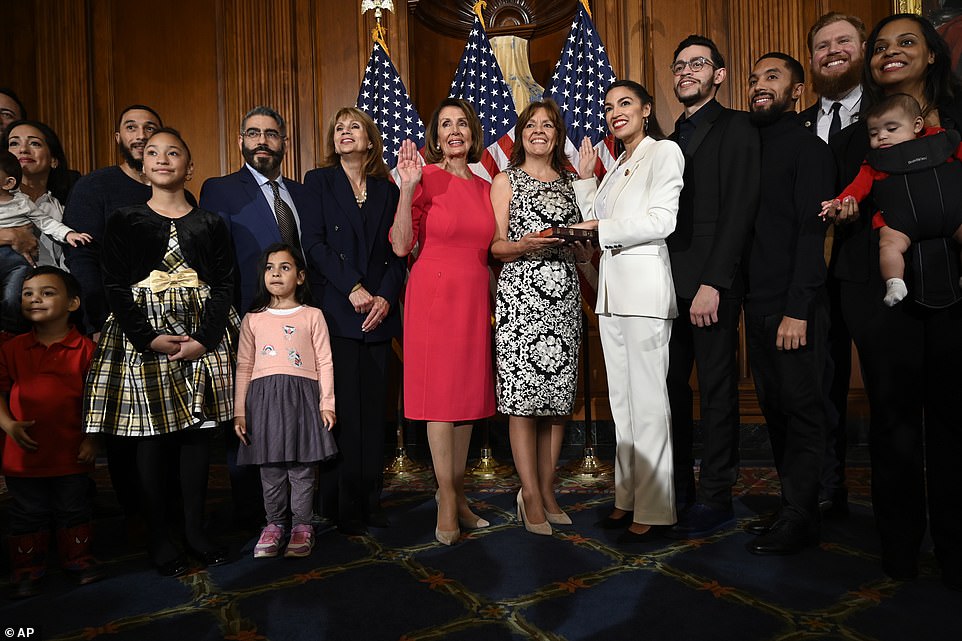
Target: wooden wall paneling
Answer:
pixel 259 63
pixel 44 49
pixel 103 150
pixel 306 146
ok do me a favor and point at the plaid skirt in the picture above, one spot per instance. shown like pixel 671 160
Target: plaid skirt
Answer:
pixel 145 394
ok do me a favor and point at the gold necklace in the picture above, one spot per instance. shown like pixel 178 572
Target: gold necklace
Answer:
pixel 361 198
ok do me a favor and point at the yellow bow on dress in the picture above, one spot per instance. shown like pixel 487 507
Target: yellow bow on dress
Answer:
pixel 159 281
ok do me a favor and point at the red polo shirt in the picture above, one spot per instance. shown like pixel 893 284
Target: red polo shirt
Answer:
pixel 46 384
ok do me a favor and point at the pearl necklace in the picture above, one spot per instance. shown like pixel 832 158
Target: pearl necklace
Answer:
pixel 361 198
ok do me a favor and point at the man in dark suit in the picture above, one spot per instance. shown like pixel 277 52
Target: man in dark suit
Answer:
pixel 715 216
pixel 260 207
pixel 836 43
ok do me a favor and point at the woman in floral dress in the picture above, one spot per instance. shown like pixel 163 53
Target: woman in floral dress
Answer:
pixel 538 311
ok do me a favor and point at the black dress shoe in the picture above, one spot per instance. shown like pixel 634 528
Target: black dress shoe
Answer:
pixel 834 506
pixel 787 536
pixel 629 538
pixel 175 567
pixel 609 523
pixel 700 521
pixel 762 524
pixel 217 555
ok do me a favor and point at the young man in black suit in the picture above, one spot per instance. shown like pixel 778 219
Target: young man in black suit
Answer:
pixel 715 215
pixel 786 312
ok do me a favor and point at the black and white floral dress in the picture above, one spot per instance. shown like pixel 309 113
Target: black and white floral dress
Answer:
pixel 538 312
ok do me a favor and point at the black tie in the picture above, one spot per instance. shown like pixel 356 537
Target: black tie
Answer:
pixel 285 218
pixel 836 125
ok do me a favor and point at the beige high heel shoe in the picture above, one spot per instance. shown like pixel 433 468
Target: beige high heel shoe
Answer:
pixel 558 519
pixel 535 528
pixel 447 537
pixel 473 523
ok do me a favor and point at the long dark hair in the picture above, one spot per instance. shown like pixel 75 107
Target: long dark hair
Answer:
pixel 59 181
pixel 941 84
pixel 653 129
pixel 559 162
pixel 262 297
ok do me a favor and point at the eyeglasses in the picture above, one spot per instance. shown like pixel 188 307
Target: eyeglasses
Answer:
pixel 695 64
pixel 254 133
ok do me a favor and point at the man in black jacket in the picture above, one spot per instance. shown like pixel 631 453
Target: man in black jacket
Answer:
pixel 786 312
pixel 836 43
pixel 716 209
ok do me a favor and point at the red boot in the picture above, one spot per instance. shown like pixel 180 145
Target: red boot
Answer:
pixel 73 543
pixel 28 558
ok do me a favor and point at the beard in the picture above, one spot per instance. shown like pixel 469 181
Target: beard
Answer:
pixel 771 113
pixel 137 164
pixel 704 91
pixel 834 87
pixel 264 166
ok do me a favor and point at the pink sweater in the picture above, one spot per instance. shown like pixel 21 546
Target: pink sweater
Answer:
pixel 295 344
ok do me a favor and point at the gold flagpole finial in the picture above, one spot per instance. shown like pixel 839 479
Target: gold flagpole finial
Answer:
pixel 584 3
pixel 379 31
pixel 478 7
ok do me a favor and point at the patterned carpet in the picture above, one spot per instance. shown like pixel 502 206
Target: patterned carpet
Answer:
pixel 503 583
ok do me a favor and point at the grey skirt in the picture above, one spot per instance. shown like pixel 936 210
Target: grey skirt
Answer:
pixel 284 422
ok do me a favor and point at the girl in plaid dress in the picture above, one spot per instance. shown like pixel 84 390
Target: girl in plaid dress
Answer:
pixel 163 370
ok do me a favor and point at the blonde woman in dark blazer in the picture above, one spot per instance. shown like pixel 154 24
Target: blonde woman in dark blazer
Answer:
pixel 634 209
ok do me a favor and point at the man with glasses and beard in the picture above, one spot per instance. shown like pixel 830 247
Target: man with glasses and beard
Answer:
pixel 836 43
pixel 786 311
pixel 260 207
pixel 715 213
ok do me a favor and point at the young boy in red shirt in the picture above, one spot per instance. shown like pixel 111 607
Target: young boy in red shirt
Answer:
pixel 47 458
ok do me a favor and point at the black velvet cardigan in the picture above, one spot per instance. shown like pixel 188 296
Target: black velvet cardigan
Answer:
pixel 135 242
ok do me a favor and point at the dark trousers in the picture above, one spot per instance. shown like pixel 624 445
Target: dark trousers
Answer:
pixel 122 466
pixel 39 502
pixel 791 395
pixel 838 371
pixel 350 485
pixel 190 449
pixel 712 351
pixel 911 360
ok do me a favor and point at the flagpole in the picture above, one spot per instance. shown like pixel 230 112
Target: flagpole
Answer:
pixel 401 465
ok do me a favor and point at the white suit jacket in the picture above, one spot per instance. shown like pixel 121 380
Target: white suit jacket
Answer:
pixel 634 277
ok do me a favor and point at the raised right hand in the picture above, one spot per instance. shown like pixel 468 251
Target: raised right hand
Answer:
pixel 409 163
pixel 588 159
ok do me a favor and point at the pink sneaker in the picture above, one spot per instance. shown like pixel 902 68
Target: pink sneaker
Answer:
pixel 270 542
pixel 301 543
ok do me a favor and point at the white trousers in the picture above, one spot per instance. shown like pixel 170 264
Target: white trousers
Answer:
pixel 636 359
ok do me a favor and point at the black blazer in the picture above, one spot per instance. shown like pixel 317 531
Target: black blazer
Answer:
pixel 346 244
pixel 718 203
pixel 134 243
pixel 809 117
pixel 238 199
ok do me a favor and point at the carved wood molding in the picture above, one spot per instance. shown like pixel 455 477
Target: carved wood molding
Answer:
pixel 525 18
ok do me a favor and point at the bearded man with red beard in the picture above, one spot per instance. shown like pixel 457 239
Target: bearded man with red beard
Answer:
pixel 836 43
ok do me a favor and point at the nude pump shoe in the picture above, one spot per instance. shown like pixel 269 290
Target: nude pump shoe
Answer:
pixel 535 528
pixel 468 524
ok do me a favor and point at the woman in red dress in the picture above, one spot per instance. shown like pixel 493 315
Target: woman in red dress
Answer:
pixel 445 211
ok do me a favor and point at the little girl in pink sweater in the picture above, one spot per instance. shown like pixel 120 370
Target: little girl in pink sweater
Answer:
pixel 284 399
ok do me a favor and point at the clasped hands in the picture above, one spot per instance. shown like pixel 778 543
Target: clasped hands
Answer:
pixel 178 348
pixel 376 308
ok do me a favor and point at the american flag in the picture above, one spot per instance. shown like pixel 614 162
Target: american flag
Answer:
pixel 385 99
pixel 479 81
pixel 578 86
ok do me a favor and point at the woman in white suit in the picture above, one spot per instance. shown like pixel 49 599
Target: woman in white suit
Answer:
pixel 634 210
